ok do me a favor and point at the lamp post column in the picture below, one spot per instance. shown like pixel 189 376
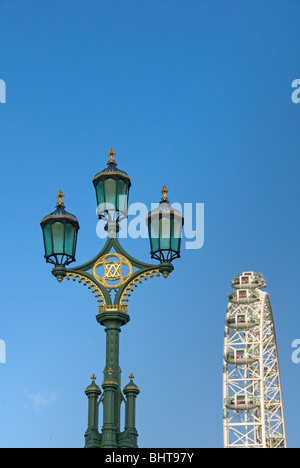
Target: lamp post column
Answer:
pixel 60 230
pixel 112 318
pixel 92 436
pixel 131 391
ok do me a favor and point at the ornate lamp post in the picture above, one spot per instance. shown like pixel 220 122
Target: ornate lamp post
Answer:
pixel 113 269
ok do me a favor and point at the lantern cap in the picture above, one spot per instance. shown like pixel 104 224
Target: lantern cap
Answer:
pixel 60 214
pixel 131 386
pixel 164 207
pixel 93 387
pixel 111 170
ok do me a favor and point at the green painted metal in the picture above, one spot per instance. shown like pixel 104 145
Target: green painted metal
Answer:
pixel 112 318
pixel 60 230
pixel 60 236
pixel 92 437
pixel 165 228
pixel 110 245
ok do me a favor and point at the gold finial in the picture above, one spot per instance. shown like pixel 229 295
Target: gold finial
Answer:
pixel 60 196
pixel 93 378
pixel 164 194
pixel 131 377
pixel 111 154
pixel 110 371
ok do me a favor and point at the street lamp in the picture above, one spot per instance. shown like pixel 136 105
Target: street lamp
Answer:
pixel 60 230
pixel 113 269
pixel 165 229
pixel 112 189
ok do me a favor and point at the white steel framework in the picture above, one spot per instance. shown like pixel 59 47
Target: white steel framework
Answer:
pixel 252 397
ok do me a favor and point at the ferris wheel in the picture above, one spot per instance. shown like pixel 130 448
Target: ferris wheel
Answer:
pixel 252 398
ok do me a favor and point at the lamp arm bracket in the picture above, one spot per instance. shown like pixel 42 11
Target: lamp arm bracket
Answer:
pixel 101 294
pixel 137 277
pixel 143 272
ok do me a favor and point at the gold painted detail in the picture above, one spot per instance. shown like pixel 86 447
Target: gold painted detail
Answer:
pixel 93 378
pixel 134 284
pixel 57 216
pixel 104 308
pixel 131 377
pixel 110 371
pixel 164 194
pixel 111 154
pixel 112 270
pixel 60 196
pixel 87 282
pixel 116 172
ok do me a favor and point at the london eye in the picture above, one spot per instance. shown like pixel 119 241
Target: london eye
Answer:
pixel 252 397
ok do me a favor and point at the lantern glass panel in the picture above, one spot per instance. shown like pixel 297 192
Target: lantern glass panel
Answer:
pixel 100 194
pixel 176 235
pixel 165 232
pixel 154 233
pixel 110 187
pixel 47 240
pixel 122 196
pixel 58 237
pixel 69 239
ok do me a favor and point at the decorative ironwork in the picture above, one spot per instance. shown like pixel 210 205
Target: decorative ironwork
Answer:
pixel 87 282
pixel 60 196
pixel 112 270
pixel 112 286
pixel 111 154
pixel 135 282
pixel 164 193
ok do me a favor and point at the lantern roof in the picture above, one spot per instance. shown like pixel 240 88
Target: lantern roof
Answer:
pixel 164 206
pixel 111 170
pixel 60 214
pixel 131 386
pixel 93 386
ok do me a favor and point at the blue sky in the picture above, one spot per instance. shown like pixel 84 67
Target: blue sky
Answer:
pixel 194 94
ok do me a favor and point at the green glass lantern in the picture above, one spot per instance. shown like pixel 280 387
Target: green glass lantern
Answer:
pixel 60 230
pixel 112 191
pixel 165 230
